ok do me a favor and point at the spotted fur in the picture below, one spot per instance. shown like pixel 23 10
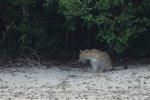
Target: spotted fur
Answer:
pixel 100 61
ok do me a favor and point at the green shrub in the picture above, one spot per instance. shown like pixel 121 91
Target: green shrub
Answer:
pixel 59 28
pixel 118 21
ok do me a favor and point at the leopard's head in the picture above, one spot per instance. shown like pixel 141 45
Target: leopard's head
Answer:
pixel 83 56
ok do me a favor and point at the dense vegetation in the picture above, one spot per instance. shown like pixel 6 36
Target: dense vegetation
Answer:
pixel 60 28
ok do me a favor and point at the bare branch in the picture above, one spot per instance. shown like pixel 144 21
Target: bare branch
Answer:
pixel 5 32
pixel 35 53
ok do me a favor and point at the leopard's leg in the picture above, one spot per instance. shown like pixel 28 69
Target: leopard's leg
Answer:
pixel 95 66
pixel 101 68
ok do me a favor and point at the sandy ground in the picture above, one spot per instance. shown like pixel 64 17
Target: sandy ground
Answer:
pixel 54 83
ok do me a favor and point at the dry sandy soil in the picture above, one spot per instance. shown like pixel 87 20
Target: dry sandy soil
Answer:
pixel 55 83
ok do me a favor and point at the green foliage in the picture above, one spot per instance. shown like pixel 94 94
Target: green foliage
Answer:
pixel 118 21
pixel 61 27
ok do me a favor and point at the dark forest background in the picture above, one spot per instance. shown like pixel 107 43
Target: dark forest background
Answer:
pixel 58 29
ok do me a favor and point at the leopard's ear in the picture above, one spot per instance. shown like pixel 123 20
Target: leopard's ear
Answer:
pixel 80 50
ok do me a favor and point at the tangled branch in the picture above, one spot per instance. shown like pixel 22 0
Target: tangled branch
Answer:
pixel 5 32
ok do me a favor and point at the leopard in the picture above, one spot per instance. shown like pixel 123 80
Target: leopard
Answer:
pixel 100 61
